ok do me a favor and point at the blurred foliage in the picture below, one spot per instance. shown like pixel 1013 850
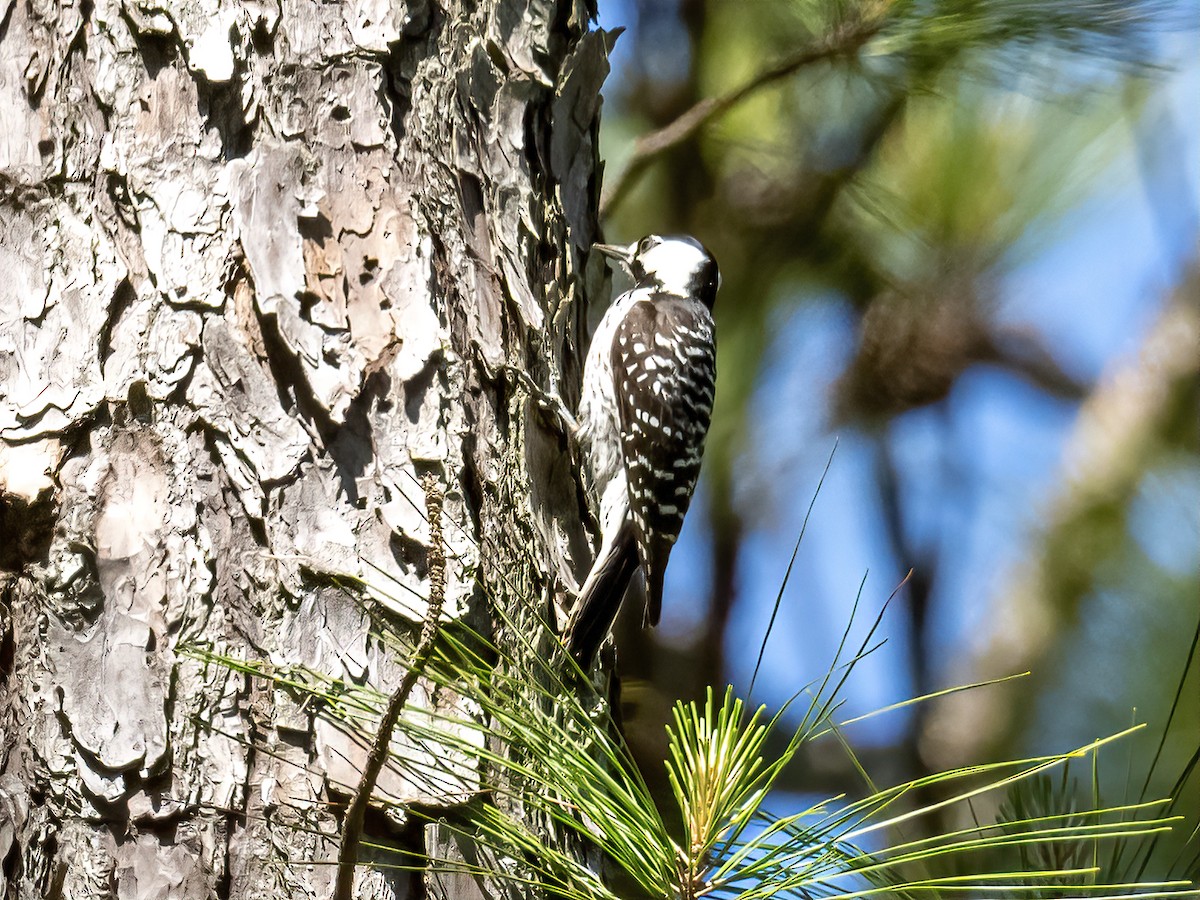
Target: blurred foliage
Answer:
pixel 899 159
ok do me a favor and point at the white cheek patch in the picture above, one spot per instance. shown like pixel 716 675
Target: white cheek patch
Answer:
pixel 673 263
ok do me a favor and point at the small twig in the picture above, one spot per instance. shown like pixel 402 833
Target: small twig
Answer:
pixel 356 811
pixel 842 41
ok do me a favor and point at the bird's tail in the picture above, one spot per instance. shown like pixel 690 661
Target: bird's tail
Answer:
pixel 654 593
pixel 601 595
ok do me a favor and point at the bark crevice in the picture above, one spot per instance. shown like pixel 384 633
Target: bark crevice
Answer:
pixel 264 265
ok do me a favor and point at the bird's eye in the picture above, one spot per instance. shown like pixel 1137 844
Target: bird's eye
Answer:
pixel 646 243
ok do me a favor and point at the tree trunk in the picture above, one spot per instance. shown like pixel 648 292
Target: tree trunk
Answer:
pixel 262 265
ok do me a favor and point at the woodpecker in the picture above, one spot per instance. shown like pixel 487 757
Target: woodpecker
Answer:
pixel 648 386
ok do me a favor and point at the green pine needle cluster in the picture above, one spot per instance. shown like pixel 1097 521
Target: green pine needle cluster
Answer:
pixel 563 811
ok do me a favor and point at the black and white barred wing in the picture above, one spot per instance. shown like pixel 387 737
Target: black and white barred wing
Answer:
pixel 664 365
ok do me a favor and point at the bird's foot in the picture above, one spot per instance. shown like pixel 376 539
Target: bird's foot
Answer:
pixel 550 402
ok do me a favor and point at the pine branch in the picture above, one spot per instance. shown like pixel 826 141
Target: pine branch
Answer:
pixel 844 40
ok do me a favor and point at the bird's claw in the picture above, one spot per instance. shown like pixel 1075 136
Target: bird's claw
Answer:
pixel 548 401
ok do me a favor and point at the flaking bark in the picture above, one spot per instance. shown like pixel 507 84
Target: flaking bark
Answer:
pixel 262 267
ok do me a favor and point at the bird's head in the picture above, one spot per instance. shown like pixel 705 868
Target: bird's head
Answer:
pixel 672 265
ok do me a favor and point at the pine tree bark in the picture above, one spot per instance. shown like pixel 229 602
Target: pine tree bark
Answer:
pixel 263 267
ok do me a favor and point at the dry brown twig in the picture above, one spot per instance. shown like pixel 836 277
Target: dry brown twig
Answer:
pixel 356 811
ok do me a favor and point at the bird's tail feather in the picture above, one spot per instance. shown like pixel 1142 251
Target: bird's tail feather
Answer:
pixel 600 597
pixel 654 593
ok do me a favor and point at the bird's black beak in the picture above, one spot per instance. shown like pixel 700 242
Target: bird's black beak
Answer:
pixel 623 255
